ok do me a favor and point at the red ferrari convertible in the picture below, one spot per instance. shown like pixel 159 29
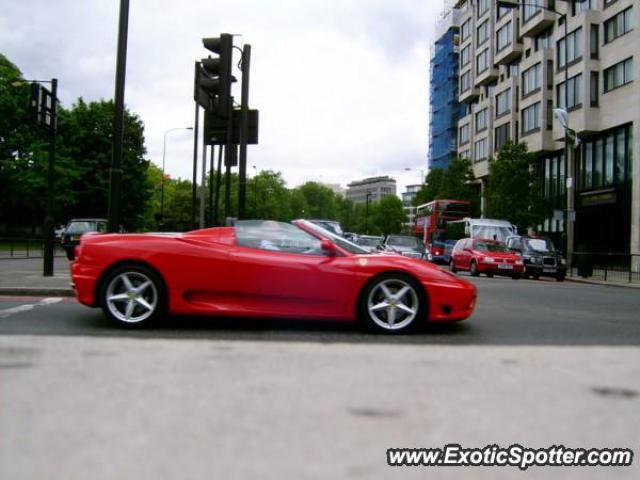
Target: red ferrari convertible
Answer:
pixel 262 269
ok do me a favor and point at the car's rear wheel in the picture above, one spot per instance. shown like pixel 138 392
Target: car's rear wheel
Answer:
pixel 133 296
pixel 392 303
pixel 474 269
pixel 490 275
pixel 560 277
pixel 452 266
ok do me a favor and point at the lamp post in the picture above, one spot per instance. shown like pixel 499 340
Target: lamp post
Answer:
pixel 164 153
pixel 366 213
pixel 570 185
pixel 409 169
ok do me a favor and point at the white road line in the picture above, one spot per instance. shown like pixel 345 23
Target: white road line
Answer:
pixel 7 312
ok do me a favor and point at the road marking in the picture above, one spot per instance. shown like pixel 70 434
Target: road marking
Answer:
pixel 7 312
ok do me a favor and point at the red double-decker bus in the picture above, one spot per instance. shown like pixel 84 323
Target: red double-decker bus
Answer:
pixel 430 224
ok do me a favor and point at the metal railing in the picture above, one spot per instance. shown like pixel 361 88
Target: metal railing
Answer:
pixel 25 248
pixel 606 267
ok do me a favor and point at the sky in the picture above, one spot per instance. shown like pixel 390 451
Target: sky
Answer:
pixel 342 86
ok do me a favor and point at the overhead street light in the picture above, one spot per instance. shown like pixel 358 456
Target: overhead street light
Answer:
pixel 570 185
pixel 164 152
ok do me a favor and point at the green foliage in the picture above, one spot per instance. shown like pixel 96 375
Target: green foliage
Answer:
pixel 512 191
pixel 387 216
pixel 454 183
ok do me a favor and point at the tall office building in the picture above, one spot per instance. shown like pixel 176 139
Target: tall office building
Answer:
pixel 371 189
pixel 512 76
pixel 444 110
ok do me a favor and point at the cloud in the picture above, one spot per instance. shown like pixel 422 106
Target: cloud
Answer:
pixel 342 86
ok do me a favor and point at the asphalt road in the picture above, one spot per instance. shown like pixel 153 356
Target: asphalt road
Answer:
pixel 539 364
pixel 523 312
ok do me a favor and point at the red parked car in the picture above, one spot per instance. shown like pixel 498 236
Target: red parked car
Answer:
pixel 262 269
pixel 490 257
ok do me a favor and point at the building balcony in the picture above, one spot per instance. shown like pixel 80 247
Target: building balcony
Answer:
pixel 469 95
pixel 538 22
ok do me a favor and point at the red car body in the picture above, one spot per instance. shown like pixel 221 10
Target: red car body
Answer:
pixel 490 257
pixel 207 272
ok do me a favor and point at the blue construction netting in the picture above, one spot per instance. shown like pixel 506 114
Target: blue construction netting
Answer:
pixel 444 107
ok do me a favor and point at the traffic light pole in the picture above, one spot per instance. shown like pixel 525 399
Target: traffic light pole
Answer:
pixel 49 221
pixel 244 117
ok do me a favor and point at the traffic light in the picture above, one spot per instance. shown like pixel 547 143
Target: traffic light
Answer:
pixel 216 76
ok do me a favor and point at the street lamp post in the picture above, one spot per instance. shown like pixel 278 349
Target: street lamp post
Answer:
pixel 409 169
pixel 164 152
pixel 366 213
pixel 570 186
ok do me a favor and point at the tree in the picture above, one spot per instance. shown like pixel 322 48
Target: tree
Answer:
pixel 431 188
pixel 86 132
pixel 319 200
pixel 513 191
pixel 388 215
pixel 458 184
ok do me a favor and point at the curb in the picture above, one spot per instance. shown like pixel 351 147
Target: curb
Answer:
pixel 37 292
pixel 602 283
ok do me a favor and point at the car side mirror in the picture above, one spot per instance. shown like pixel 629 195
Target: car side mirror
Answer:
pixel 328 247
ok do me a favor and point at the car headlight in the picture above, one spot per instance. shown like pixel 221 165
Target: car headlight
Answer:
pixel 563 261
pixel 488 260
pixel 536 259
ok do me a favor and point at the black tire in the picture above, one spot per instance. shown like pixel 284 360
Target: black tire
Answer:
pixel 516 276
pixel 473 269
pixel 133 308
pixel 379 320
pixel 70 253
pixel 560 277
pixel 536 277
pixel 489 275
pixel 452 267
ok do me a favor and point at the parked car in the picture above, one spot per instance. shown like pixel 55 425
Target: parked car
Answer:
pixel 331 225
pixel 490 257
pixel 371 243
pixel 76 228
pixel 539 256
pixel 306 272
pixel 405 245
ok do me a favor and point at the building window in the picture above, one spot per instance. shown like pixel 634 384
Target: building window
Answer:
pixel 482 62
pixel 574 48
pixel 579 7
pixel 502 135
pixel 465 56
pixel 503 102
pixel 531 80
pixel 504 36
pixel 531 9
pixel 483 6
pixel 594 89
pixel 464 154
pixel 465 81
pixel 464 134
pixel 574 93
pixel 480 150
pixel 543 40
pixel 618 25
pixel 482 120
pixel 618 75
pixel 465 31
pixel 482 33
pixel 531 118
pixel 502 11
pixel 594 41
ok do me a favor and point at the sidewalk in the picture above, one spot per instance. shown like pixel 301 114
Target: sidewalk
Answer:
pixel 23 276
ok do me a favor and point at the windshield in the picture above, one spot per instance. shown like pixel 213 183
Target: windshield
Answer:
pixel 333 227
pixel 369 242
pixel 490 247
pixel 540 245
pixel 491 231
pixel 86 226
pixel 411 242
pixel 338 240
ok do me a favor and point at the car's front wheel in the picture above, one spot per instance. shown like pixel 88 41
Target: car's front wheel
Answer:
pixel 133 296
pixel 474 269
pixel 452 266
pixel 392 303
